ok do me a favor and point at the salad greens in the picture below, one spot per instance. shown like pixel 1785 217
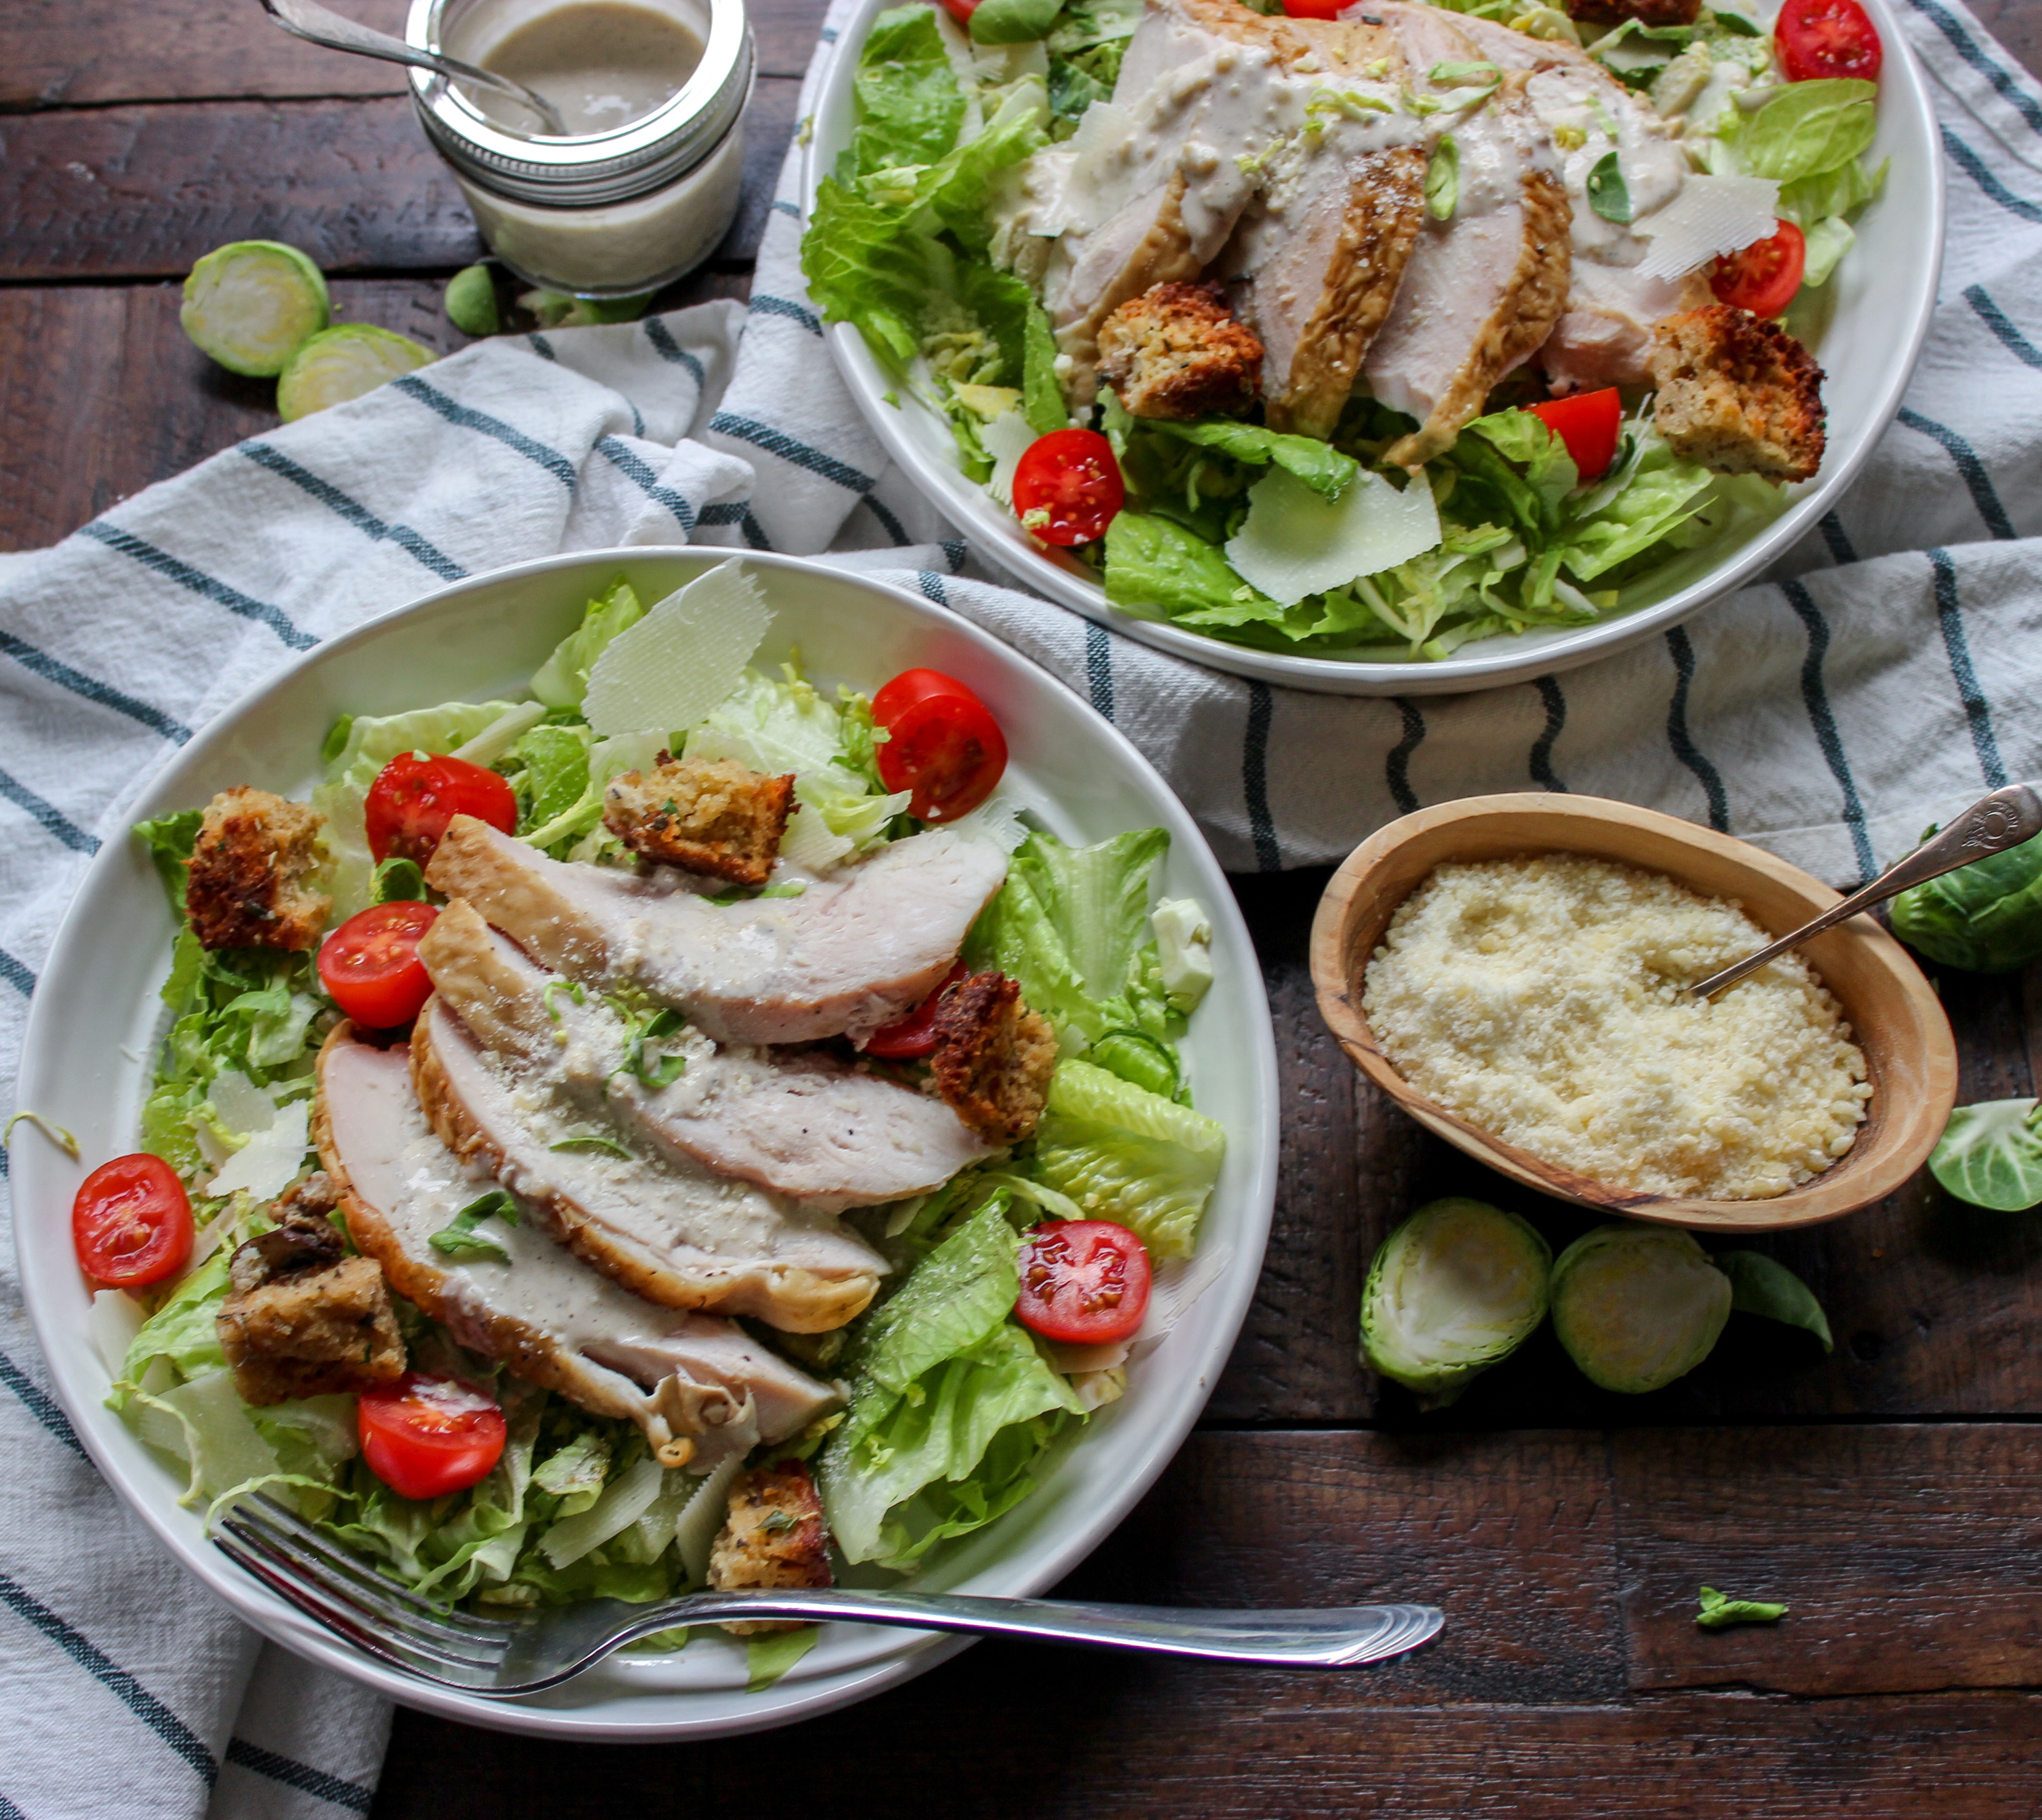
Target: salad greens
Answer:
pixel 952 1404
pixel 1719 1611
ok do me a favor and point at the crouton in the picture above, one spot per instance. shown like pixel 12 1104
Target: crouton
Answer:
pixel 1175 351
pixel 1737 394
pixel 994 1058
pixel 707 815
pixel 773 1536
pixel 1653 13
pixel 249 870
pixel 303 1319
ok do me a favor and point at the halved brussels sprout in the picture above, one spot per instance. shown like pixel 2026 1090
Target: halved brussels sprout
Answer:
pixel 1985 917
pixel 253 304
pixel 337 364
pixel 1454 1290
pixel 1638 1306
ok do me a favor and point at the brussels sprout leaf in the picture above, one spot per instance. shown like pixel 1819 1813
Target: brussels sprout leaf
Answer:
pixel 1991 1155
pixel 1718 1613
pixel 1762 1285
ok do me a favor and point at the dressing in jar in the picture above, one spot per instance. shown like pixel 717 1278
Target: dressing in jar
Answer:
pixel 653 94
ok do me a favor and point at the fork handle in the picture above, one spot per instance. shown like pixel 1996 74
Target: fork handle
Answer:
pixel 1330 1637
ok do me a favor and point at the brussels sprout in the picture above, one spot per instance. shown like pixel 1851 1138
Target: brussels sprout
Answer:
pixel 1454 1290
pixel 337 364
pixel 1638 1306
pixel 1990 1155
pixel 471 301
pixel 1985 917
pixel 253 303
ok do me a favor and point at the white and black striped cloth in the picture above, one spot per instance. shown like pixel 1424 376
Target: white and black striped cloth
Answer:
pixel 1889 673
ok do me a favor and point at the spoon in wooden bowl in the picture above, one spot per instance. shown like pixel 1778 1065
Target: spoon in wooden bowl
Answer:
pixel 1990 825
pixel 307 19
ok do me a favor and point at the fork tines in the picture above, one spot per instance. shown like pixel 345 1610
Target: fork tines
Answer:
pixel 391 1622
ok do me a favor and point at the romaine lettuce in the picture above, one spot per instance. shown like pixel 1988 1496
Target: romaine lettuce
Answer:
pixel 1801 129
pixel 562 680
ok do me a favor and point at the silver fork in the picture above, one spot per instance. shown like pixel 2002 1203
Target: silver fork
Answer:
pixel 502 1658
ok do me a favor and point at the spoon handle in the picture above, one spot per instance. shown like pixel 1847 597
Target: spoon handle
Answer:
pixel 316 25
pixel 1990 825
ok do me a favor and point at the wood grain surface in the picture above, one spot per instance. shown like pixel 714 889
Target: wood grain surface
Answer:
pixel 1891 1492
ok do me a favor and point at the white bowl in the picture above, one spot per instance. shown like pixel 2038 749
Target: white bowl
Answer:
pixel 95 1011
pixel 1867 327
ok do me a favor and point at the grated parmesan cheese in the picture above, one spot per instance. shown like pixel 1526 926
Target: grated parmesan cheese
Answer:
pixel 1539 998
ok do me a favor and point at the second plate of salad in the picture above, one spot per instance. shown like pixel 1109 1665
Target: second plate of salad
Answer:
pixel 1377 348
pixel 646 1070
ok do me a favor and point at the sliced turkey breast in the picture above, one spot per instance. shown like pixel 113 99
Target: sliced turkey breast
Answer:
pixel 830 1134
pixel 854 953
pixel 663 1226
pixel 701 1388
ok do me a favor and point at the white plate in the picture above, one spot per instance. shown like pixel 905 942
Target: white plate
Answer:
pixel 1867 327
pixel 96 1008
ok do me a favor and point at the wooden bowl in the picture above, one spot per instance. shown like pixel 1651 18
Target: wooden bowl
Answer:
pixel 1894 1013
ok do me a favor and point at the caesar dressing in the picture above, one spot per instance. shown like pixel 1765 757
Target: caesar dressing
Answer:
pixel 603 63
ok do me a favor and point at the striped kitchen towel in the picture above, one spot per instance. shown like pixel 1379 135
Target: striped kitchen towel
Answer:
pixel 1887 673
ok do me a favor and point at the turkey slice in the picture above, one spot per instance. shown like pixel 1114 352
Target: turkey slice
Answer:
pixel 826 1132
pixel 701 1388
pixel 855 952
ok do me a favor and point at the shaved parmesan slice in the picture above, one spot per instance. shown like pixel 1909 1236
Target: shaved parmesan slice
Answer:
pixel 667 671
pixel 1711 214
pixel 243 1106
pixel 1294 543
pixel 265 1166
pixel 113 1320
pixel 1007 439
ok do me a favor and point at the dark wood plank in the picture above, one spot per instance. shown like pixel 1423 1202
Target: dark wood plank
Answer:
pixel 143 192
pixel 116 398
pixel 2017 24
pixel 1907 1553
pixel 75 53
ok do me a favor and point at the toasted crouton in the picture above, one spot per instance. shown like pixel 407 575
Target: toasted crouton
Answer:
pixel 303 1319
pixel 1653 13
pixel 248 871
pixel 1737 394
pixel 773 1536
pixel 1175 351
pixel 994 1058
pixel 710 815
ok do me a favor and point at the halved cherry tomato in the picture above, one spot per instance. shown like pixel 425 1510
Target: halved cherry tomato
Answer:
pixel 426 1436
pixel 1085 1281
pixel 1316 8
pixel 1764 276
pixel 1588 423
pixel 413 799
pixel 1067 487
pixel 915 1035
pixel 1820 38
pixel 370 965
pixel 131 1221
pixel 942 744
pixel 961 11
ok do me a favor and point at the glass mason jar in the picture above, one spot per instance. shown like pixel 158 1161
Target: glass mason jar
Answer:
pixel 603 214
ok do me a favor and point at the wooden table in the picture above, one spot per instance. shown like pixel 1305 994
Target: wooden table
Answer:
pixel 1891 1491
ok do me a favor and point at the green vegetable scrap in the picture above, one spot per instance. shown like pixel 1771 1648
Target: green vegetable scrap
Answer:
pixel 1990 1155
pixel 1762 1285
pixel 1984 918
pixel 253 305
pixel 459 1239
pixel 1455 1289
pixel 1442 179
pixel 339 365
pixel 1718 1613
pixel 471 301
pixel 1638 1306
pixel 1609 196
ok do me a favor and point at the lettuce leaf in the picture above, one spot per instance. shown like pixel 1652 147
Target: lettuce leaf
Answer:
pixel 909 105
pixel 1129 1155
pixel 1320 466
pixel 1156 569
pixel 562 680
pixel 1662 495
pixel 169 840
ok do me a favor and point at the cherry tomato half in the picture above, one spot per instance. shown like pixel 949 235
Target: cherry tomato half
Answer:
pixel 1085 1281
pixel 426 1436
pixel 915 1035
pixel 413 799
pixel 961 11
pixel 131 1221
pixel 942 744
pixel 1315 9
pixel 370 965
pixel 1820 38
pixel 1764 276
pixel 1588 423
pixel 1067 487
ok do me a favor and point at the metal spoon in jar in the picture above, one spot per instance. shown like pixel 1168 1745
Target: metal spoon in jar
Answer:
pixel 1990 825
pixel 316 25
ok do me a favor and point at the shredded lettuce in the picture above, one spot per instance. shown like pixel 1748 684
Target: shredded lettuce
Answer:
pixel 1130 1156
pixel 562 680
pixel 169 840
